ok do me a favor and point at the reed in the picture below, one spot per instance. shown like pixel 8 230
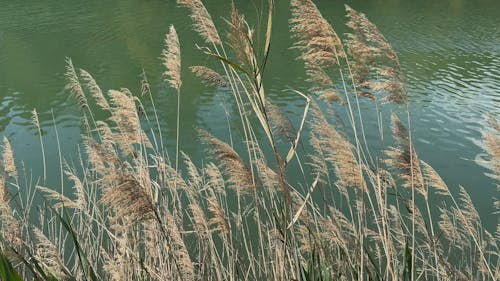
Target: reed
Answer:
pixel 132 214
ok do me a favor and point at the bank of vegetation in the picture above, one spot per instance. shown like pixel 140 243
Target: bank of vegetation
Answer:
pixel 135 211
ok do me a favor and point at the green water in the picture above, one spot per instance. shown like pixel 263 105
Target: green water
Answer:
pixel 449 49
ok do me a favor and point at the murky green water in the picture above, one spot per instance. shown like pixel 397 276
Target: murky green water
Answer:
pixel 449 49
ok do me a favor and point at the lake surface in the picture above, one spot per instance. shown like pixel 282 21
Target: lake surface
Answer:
pixel 449 49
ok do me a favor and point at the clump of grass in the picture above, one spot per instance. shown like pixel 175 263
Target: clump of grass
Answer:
pixel 133 214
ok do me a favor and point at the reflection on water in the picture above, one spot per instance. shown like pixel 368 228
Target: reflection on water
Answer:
pixel 449 49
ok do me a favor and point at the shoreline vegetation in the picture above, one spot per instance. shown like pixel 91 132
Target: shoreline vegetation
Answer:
pixel 134 212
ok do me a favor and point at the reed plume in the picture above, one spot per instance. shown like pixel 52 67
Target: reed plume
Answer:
pixel 9 166
pixel 331 95
pixel 268 177
pixel 179 250
pixel 124 115
pixel 492 142
pixel 338 151
pixel 281 124
pixel 209 76
pixel 433 178
pixel 239 175
pixel 108 137
pixel 317 160
pixel 61 201
pixel 131 205
pixel 48 255
pixel 129 198
pixel 34 119
pixel 404 158
pixel 10 228
pixel 171 59
pixel 199 221
pixel 145 86
pixel 218 219
pixel 195 178
pixel 203 23
pixel 320 46
pixel 215 178
pixel 73 84
pixel 94 89
pixel 79 190
pixel 4 191
pixel 103 161
pixel 451 231
pixel 169 176
pixel 36 123
pixel 240 38
pixel 319 43
pixel 373 56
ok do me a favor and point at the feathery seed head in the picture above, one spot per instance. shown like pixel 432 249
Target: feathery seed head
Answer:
pixel 338 151
pixel 73 84
pixel 94 89
pixel 209 76
pixel 239 176
pixel 203 23
pixel 404 158
pixel 171 58
pixel 9 166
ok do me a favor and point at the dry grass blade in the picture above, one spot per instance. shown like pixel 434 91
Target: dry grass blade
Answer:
pixel 338 151
pixel 9 166
pixel 304 203
pixel 203 23
pixel 404 158
pixel 171 59
pixel 209 76
pixel 94 89
pixel 73 84
pixel 231 164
